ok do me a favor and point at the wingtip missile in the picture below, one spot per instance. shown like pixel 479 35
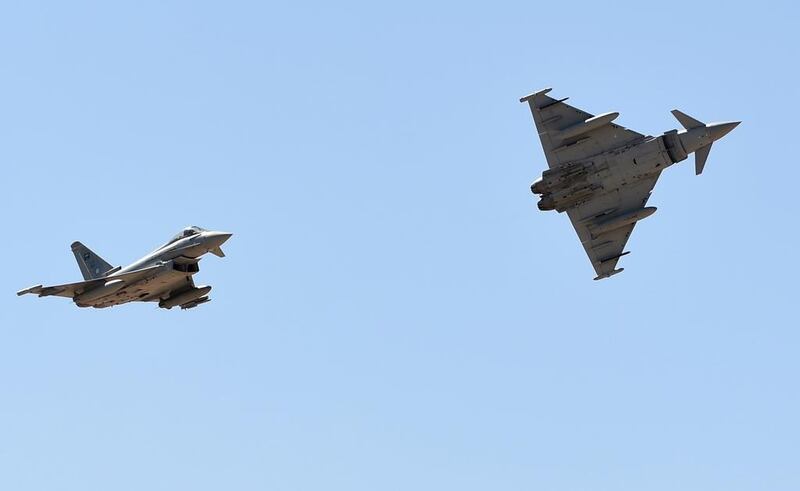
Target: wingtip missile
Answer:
pixel 537 93
pixel 33 289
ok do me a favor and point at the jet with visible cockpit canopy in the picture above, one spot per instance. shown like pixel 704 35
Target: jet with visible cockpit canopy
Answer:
pixel 163 276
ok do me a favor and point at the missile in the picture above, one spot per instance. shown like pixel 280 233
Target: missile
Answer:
pixel 195 303
pixel 622 220
pixel 537 93
pixel 586 126
pixel 184 297
pixel 33 289
pixel 101 291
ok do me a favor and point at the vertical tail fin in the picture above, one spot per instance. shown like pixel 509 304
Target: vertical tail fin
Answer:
pixel 92 266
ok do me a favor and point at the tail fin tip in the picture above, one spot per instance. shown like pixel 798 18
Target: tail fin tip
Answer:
pixel 91 265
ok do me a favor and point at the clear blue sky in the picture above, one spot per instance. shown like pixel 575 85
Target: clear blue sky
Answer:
pixel 394 312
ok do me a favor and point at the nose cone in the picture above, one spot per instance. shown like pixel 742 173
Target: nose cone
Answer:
pixel 216 239
pixel 718 130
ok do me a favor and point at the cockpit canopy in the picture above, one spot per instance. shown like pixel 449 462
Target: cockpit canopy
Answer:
pixel 187 232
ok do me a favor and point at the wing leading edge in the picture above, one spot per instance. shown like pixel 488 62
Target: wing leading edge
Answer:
pixel 605 219
pixel 568 133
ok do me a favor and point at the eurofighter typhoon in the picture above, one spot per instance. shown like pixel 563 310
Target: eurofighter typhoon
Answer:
pixel 602 174
pixel 163 276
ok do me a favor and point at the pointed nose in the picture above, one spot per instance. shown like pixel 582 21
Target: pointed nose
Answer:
pixel 218 238
pixel 718 130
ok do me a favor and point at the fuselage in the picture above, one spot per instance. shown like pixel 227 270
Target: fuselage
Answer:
pixel 573 183
pixel 188 247
pixel 169 268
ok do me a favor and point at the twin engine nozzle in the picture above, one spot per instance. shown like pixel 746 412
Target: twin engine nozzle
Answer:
pixel 538 186
pixel 562 186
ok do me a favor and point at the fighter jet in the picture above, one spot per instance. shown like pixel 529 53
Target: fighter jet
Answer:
pixel 602 174
pixel 163 276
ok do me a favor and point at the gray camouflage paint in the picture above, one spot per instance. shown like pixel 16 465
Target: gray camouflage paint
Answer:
pixel 163 276
pixel 602 174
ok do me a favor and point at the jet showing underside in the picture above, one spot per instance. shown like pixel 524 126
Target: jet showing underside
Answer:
pixel 602 174
pixel 163 276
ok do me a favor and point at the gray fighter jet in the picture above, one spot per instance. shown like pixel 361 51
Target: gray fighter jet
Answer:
pixel 163 276
pixel 602 174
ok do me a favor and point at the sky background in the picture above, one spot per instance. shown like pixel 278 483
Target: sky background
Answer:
pixel 394 312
